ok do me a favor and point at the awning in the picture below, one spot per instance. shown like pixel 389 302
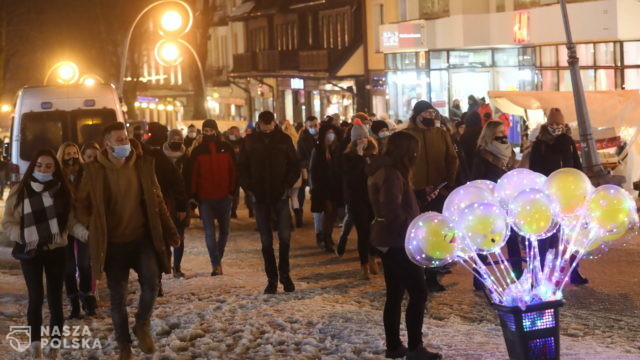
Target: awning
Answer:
pixel 606 108
pixel 242 9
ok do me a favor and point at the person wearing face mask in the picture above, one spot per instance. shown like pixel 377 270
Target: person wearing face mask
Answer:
pixel 394 206
pixel 381 133
pixel 192 133
pixel 120 200
pixel 307 140
pixel 326 187
pixel 268 169
pixel 495 157
pixel 39 218
pixel 80 288
pixel 554 149
pixel 436 163
pixel 213 184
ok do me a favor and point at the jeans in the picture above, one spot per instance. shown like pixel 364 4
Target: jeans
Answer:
pixel 77 263
pixel 179 251
pixel 318 222
pixel 52 262
pixel 210 212
pixel 140 256
pixel 401 274
pixel 264 213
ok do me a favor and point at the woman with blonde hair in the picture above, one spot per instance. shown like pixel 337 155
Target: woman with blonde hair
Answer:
pixel 494 158
pixel 79 289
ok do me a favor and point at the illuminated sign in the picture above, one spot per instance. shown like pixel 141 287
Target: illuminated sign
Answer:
pixel 521 28
pixel 406 36
pixel 297 84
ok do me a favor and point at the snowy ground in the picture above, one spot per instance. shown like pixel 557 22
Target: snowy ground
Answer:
pixel 332 315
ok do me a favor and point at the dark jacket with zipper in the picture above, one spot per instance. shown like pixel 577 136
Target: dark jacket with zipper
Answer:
pixel 354 175
pixel 170 179
pixel 325 178
pixel 306 144
pixel 487 166
pixel 268 165
pixel 549 153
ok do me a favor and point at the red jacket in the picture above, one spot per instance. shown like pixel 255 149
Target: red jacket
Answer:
pixel 485 109
pixel 213 175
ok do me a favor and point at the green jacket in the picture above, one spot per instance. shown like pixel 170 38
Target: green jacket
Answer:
pixel 437 160
pixel 91 211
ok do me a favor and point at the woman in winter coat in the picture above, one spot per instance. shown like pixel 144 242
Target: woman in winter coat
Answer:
pixel 395 206
pixel 326 188
pixel 37 218
pixel 175 151
pixel 469 139
pixel 357 156
pixel 77 251
pixel 555 149
pixel 494 158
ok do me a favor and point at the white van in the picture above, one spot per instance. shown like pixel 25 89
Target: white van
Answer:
pixel 47 116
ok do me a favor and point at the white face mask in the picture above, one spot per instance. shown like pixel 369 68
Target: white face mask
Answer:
pixel 556 131
pixel 383 134
pixel 192 135
pixel 331 137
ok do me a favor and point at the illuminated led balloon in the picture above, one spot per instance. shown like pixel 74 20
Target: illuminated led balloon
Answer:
pixel 483 226
pixel 463 196
pixel 515 181
pixel 487 185
pixel 611 212
pixel 430 240
pixel 534 214
pixel 570 187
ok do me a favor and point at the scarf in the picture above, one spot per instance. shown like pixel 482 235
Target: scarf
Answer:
pixel 501 151
pixel 173 155
pixel 43 215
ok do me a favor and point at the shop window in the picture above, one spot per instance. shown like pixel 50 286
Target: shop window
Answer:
pixel 605 79
pixel 408 61
pixel 438 59
pixel 588 80
pixel 549 80
pixel 526 56
pixel 390 61
pixel 585 53
pixel 632 79
pixel 470 58
pixel 605 54
pixel 548 56
pixel 439 83
pixel 631 53
pixel 505 57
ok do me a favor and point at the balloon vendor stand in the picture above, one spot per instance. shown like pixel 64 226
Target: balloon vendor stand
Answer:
pixel 524 209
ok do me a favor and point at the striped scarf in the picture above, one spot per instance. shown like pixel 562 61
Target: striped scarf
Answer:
pixel 41 223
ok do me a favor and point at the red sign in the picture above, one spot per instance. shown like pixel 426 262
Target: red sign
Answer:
pixel 521 28
pixel 603 144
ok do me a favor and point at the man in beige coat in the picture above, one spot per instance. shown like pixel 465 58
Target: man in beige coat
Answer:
pixel 120 202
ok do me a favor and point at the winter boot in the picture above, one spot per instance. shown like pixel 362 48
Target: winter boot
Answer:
pixel 125 351
pixel 145 341
pixel 287 284
pixel 364 275
pixel 75 307
pixel 178 274
pixel 298 216
pixel 373 265
pixel 272 287
pixel 36 350
pixel 89 305
pixel 342 245
pixel 320 240
pixel 397 353
pixel 423 354
pixel 329 245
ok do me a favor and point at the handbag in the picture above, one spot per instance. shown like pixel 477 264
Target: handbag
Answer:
pixel 19 252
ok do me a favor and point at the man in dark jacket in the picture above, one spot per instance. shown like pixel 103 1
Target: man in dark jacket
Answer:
pixel 213 184
pixel 306 142
pixel 268 168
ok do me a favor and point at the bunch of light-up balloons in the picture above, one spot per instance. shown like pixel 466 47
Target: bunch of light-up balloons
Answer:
pixel 478 219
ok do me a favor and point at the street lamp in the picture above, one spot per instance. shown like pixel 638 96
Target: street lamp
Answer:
pixel 90 80
pixel 5 108
pixel 168 53
pixel 171 23
pixel 67 72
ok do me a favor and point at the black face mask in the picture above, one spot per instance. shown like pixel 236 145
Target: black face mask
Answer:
pixel 501 139
pixel 209 138
pixel 427 122
pixel 175 145
pixel 73 161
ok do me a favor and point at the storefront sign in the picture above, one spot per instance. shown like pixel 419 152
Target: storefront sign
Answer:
pixel 521 28
pixel 297 84
pixel 407 36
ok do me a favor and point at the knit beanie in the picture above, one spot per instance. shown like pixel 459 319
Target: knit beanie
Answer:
pixel 359 132
pixel 360 116
pixel 378 125
pixel 422 106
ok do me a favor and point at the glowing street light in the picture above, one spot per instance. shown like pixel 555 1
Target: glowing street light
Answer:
pixel 67 72
pixel 5 108
pixel 168 53
pixel 171 21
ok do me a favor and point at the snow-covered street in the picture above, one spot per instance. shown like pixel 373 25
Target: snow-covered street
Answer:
pixel 332 314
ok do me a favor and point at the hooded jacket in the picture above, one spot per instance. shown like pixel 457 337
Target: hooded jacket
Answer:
pixel 437 160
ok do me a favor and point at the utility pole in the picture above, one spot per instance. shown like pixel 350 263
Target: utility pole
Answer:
pixel 590 158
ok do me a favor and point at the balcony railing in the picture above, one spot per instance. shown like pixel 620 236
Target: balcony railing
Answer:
pixel 244 62
pixel 314 60
pixel 274 60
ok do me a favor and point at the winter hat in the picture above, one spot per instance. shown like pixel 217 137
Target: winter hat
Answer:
pixel 422 106
pixel 158 134
pixel 378 125
pixel 360 116
pixel 210 124
pixel 175 132
pixel 359 132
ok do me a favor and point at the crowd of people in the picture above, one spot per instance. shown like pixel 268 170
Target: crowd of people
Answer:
pixel 126 204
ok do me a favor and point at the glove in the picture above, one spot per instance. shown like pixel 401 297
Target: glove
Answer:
pixel 80 232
